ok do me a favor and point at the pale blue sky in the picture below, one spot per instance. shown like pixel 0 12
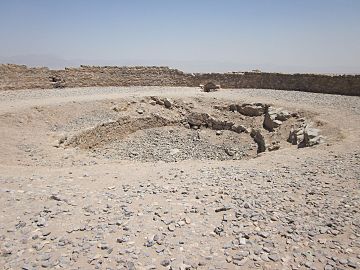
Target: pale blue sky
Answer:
pixel 193 35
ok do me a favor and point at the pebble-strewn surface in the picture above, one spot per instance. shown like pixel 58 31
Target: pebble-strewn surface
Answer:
pixel 210 218
pixel 66 208
pixel 176 144
pixel 337 101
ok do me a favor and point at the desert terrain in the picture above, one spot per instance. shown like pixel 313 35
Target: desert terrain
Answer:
pixel 176 178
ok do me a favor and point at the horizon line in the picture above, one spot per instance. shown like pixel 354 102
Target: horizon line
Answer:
pixel 179 69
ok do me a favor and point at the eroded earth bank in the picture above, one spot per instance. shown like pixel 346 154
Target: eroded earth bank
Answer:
pixel 175 178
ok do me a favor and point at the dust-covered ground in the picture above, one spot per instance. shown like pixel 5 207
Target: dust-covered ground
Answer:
pixel 173 178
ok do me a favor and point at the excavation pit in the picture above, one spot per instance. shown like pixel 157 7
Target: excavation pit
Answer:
pixel 160 129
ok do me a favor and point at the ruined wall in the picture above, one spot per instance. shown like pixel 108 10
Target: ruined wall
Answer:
pixel 337 84
pixel 21 77
pixel 122 76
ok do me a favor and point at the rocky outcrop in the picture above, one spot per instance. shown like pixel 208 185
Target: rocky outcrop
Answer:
pixel 274 118
pixel 254 109
pixel 219 124
pixel 197 119
pixel 311 137
pixel 259 139
pixel 305 136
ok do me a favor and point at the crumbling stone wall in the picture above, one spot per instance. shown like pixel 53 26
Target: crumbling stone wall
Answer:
pixel 331 84
pixel 123 76
pixel 21 77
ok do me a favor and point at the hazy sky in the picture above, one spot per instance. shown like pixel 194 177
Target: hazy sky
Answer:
pixel 193 35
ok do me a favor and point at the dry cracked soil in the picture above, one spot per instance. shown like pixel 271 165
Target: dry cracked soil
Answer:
pixel 175 178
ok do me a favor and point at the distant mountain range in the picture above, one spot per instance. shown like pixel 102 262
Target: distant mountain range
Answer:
pixel 55 62
pixel 33 60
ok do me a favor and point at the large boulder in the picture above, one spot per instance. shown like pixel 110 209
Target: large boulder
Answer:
pixel 293 136
pixel 198 119
pixel 270 123
pixel 167 102
pixel 211 87
pixel 259 139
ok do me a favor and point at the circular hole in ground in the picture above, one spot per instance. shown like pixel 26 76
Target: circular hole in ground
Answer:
pixel 174 131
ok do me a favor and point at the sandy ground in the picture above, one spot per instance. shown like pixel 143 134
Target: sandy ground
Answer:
pixel 65 207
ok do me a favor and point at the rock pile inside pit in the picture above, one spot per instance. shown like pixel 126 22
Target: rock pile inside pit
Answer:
pixel 176 143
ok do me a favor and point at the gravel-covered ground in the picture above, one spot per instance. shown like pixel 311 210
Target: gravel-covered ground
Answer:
pixel 315 99
pixel 72 208
pixel 172 144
